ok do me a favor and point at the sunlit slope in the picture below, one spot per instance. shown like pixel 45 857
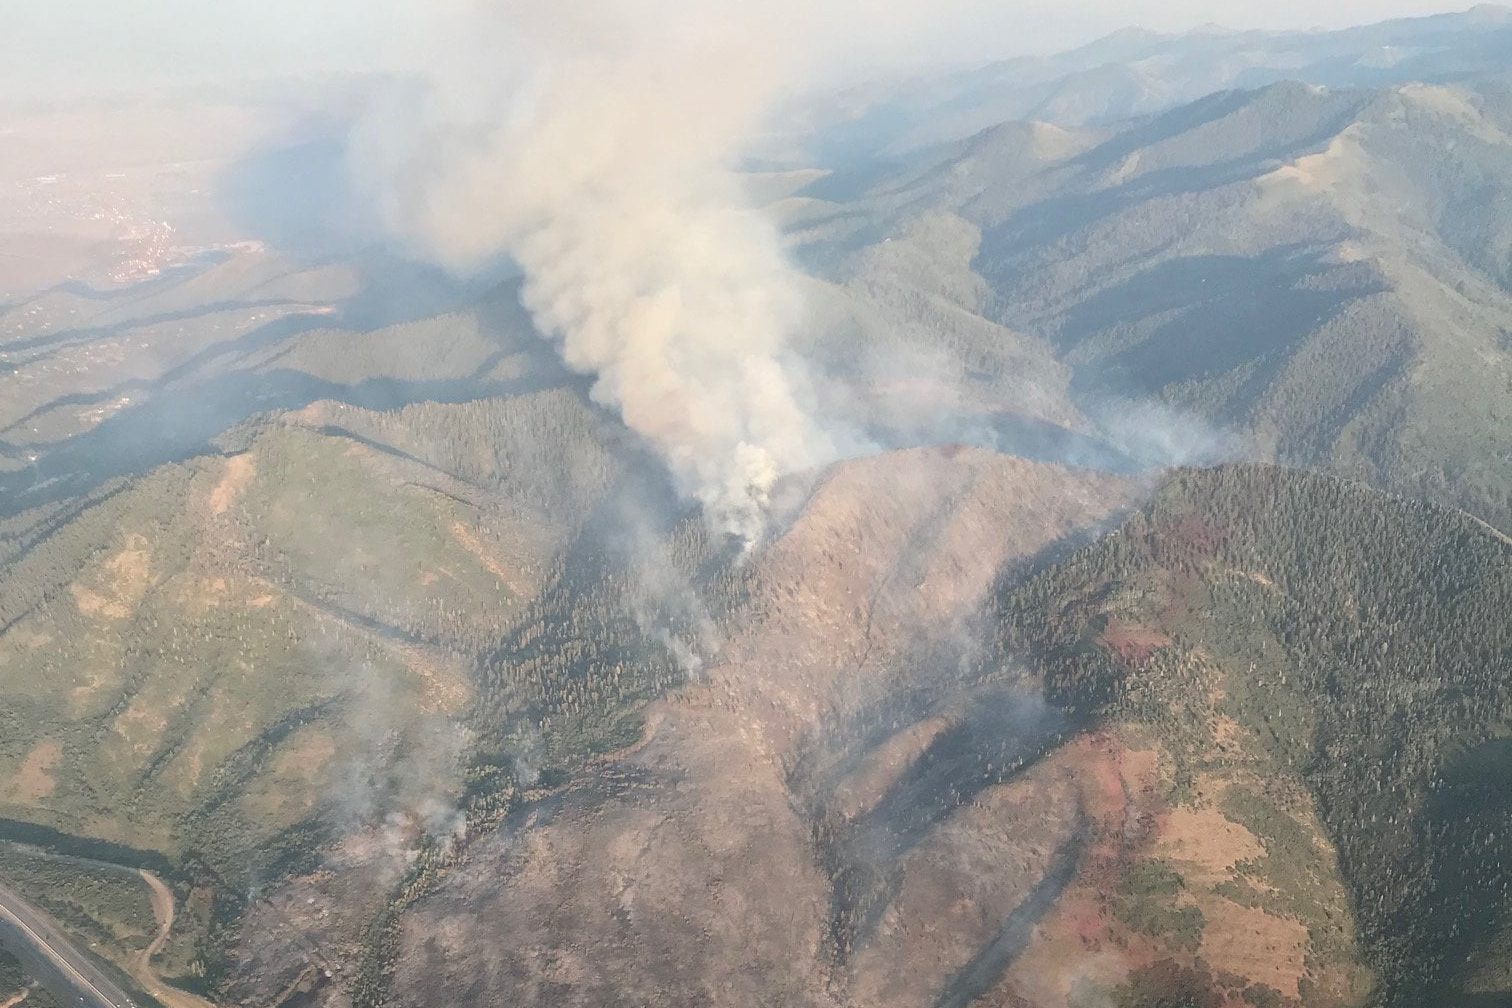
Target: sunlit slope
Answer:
pixel 1260 695
pixel 195 662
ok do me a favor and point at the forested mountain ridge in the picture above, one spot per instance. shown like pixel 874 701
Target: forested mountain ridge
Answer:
pixel 1237 680
pixel 1321 274
pixel 1355 643
pixel 1138 73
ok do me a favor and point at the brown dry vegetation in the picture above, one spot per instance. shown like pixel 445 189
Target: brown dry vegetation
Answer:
pixel 33 780
pixel 238 474
pixel 696 879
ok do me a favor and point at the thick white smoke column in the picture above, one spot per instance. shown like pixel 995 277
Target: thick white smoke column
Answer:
pixel 594 145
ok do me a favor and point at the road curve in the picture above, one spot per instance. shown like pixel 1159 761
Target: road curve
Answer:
pixel 142 971
pixel 27 933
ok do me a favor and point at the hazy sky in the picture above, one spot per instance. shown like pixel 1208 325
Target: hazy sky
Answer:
pixel 47 44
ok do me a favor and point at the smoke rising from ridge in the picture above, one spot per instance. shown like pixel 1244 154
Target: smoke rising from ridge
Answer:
pixel 593 143
pixel 600 163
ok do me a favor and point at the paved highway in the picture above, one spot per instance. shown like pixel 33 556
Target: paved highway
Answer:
pixel 69 973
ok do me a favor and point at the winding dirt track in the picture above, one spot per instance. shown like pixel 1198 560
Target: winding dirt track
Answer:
pixel 141 970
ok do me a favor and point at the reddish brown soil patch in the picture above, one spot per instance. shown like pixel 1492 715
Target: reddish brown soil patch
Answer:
pixel 1206 844
pixel 238 473
pixel 1079 942
pixel 1133 643
pixel 1191 537
pixel 1254 944
pixel 34 779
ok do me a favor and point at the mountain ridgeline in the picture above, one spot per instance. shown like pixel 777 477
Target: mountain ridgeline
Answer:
pixel 1316 276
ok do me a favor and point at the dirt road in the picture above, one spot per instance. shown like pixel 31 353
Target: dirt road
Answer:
pixel 141 970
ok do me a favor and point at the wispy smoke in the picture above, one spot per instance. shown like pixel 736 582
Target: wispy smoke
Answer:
pixel 402 786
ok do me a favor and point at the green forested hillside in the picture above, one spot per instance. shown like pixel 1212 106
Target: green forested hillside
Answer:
pixel 1320 273
pixel 1361 640
pixel 348 624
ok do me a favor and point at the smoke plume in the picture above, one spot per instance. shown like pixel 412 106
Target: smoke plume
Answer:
pixel 593 144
